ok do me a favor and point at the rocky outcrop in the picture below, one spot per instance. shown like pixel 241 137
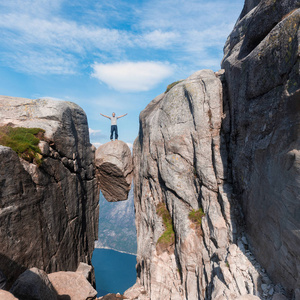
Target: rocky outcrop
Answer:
pixel 33 284
pixel 4 295
pixel 180 159
pixel 261 65
pixel 48 213
pixel 217 171
pixel 115 170
pixel 72 285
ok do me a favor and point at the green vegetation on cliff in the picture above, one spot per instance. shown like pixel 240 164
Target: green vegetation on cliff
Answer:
pixel 24 141
pixel 172 85
pixel 195 216
pixel 168 237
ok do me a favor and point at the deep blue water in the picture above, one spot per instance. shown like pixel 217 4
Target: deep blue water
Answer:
pixel 114 271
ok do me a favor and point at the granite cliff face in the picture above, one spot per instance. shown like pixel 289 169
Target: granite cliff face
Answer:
pixel 181 160
pixel 48 214
pixel 262 73
pixel 226 144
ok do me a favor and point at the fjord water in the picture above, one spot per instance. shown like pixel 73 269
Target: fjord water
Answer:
pixel 114 271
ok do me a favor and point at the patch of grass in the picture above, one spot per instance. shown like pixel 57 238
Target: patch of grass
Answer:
pixel 168 237
pixel 172 85
pixel 195 216
pixel 24 141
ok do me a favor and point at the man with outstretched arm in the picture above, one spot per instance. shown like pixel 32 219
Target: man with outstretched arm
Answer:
pixel 114 127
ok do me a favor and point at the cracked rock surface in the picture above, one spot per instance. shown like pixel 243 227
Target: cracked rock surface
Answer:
pixel 227 143
pixel 48 214
pixel 180 159
pixel 114 170
pixel 262 63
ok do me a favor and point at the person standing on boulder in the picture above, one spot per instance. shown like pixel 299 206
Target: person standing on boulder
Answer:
pixel 114 127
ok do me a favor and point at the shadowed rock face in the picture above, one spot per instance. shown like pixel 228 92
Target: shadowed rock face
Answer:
pixel 261 65
pixel 115 170
pixel 48 214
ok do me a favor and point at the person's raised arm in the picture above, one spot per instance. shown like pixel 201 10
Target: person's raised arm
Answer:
pixel 105 116
pixel 121 116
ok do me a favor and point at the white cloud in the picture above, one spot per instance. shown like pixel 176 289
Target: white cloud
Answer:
pixel 132 76
pixel 97 144
pixel 63 37
pixel 94 131
pixel 130 145
pixel 158 39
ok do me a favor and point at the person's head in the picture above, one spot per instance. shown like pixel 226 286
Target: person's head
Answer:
pixel 113 114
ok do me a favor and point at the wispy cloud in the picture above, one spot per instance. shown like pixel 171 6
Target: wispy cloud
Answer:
pixel 132 76
pixel 64 37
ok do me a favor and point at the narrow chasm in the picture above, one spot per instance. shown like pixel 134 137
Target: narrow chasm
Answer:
pixel 114 256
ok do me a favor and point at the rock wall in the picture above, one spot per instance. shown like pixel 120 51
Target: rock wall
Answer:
pixel 180 159
pixel 48 214
pixel 261 65
pixel 226 143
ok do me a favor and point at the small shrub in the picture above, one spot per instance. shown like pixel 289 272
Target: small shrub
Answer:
pixel 168 236
pixel 24 141
pixel 195 216
pixel 172 85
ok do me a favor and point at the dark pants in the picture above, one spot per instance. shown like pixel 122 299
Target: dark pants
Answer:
pixel 114 128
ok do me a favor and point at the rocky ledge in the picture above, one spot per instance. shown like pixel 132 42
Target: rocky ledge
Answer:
pixel 114 170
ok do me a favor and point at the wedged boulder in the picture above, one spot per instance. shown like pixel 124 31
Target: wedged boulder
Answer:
pixel 72 286
pixel 33 284
pixel 4 295
pixel 114 170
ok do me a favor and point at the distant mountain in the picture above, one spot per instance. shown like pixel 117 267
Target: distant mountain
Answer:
pixel 117 225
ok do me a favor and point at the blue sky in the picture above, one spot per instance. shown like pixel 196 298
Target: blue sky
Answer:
pixel 109 55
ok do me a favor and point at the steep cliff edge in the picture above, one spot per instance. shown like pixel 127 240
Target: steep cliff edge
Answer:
pixel 48 213
pixel 217 171
pixel 261 65
pixel 181 169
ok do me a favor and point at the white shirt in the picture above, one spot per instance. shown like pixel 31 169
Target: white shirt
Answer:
pixel 113 120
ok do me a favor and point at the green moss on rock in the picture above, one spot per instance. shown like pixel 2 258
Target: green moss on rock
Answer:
pixel 24 141
pixel 168 237
pixel 195 216
pixel 172 85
